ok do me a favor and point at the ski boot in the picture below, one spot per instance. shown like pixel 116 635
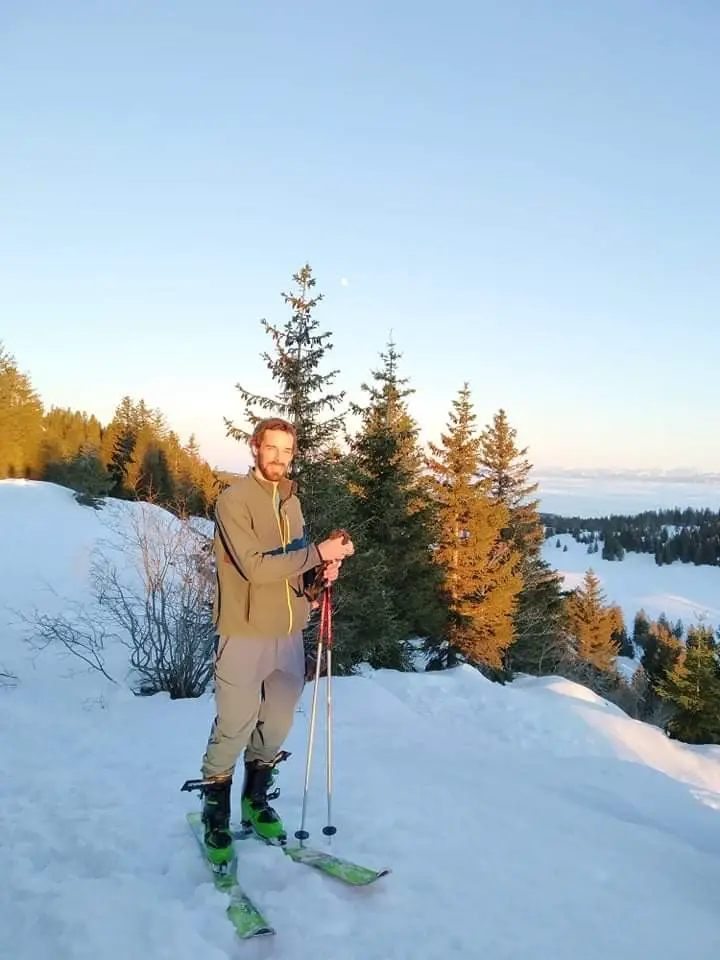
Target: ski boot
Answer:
pixel 282 755
pixel 257 814
pixel 216 820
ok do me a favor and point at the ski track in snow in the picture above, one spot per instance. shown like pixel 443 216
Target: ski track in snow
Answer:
pixel 533 820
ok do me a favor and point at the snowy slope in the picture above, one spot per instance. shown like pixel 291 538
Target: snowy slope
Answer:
pixel 527 821
pixel 680 590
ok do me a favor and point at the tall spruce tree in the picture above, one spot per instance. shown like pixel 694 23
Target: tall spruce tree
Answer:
pixel 506 467
pixel 118 446
pixel 692 688
pixel 392 521
pixel 21 421
pixel 641 628
pixel 481 579
pixel 303 394
pixel 542 643
pixel 67 434
pixel 662 649
pixel 540 638
pixel 593 624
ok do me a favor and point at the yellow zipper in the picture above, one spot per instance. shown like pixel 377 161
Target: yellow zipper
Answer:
pixel 284 540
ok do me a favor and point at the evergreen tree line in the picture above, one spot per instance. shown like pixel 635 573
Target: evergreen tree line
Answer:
pixel 688 535
pixel 134 456
pixel 678 680
pixel 448 566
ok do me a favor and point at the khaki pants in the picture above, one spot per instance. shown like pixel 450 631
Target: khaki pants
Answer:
pixel 258 684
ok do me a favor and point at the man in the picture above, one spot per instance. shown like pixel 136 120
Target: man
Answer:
pixel 264 564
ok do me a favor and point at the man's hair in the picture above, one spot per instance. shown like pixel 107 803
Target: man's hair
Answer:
pixel 272 423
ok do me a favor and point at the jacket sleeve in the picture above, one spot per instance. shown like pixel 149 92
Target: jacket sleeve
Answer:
pixel 239 539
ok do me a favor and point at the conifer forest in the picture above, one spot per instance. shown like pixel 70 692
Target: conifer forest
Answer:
pixel 448 566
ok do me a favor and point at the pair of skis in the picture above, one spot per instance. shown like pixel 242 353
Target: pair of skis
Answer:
pixel 243 912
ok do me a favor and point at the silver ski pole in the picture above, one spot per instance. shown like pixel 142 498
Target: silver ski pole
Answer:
pixel 302 833
pixel 329 830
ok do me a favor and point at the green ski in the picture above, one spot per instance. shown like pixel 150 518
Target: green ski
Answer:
pixel 345 870
pixel 242 912
pixel 351 873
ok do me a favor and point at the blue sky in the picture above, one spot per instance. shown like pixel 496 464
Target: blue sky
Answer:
pixel 525 193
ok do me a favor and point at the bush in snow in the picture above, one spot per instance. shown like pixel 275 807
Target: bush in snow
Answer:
pixel 152 584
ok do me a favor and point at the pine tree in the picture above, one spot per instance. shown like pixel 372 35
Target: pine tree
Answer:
pixel 118 446
pixel 480 570
pixel 661 650
pixel 146 461
pixel 541 644
pixel 84 473
pixel 302 396
pixel 641 628
pixel 367 626
pixel 507 469
pixel 66 435
pixel 195 484
pixel 619 632
pixel 692 688
pixel 392 517
pixel 21 421
pixel 539 620
pixel 593 623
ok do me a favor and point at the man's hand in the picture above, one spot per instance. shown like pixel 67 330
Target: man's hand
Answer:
pixel 332 571
pixel 338 546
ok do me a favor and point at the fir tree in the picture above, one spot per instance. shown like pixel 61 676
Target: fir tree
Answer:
pixel 480 570
pixel 85 473
pixel 67 433
pixel 507 470
pixel 662 649
pixel 392 516
pixel 593 623
pixel 118 446
pixel 541 644
pixel 618 631
pixel 692 688
pixel 367 625
pixel 539 621
pixel 21 421
pixel 195 485
pixel 641 629
pixel 303 395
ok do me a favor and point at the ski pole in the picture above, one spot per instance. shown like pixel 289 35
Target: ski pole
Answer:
pixel 329 829
pixel 302 833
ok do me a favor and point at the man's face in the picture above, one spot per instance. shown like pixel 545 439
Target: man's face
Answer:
pixel 274 455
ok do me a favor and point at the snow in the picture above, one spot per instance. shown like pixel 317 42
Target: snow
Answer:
pixel 680 590
pixel 527 820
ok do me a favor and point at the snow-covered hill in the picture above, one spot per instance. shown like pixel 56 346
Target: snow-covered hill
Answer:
pixel 528 821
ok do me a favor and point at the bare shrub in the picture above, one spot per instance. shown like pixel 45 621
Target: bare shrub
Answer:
pixel 154 597
pixel 83 635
